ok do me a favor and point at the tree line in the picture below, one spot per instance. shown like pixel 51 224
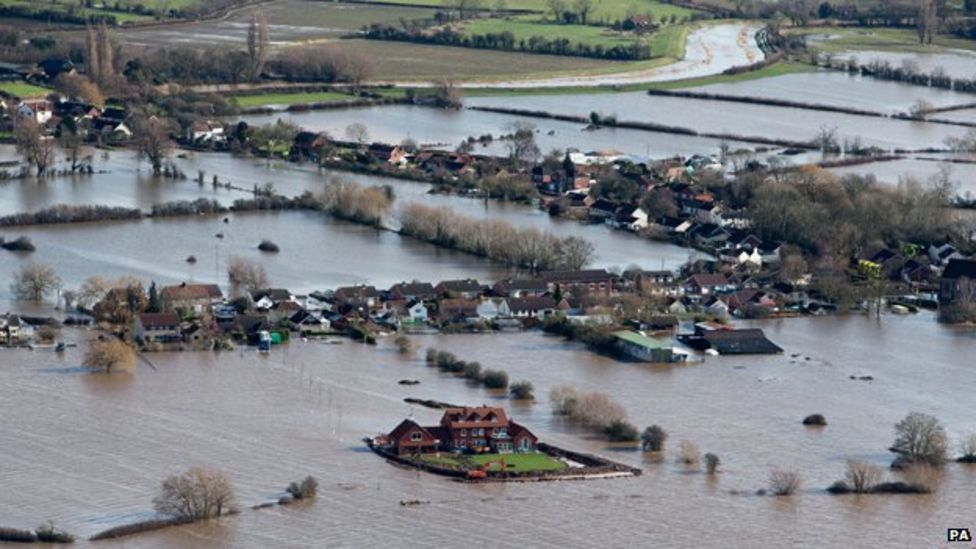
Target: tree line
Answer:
pixel 506 41
pixel 500 241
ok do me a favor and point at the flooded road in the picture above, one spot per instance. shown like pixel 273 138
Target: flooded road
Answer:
pixel 91 450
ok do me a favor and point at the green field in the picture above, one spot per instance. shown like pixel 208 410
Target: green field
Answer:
pixel 524 28
pixel 895 40
pixel 62 6
pixel 292 98
pixel 22 90
pixel 604 10
pixel 513 462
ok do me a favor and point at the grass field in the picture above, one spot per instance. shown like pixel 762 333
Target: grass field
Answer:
pixel 513 462
pixel 22 90
pixel 604 10
pixel 62 6
pixel 779 69
pixel 524 28
pixel 291 98
pixel 895 40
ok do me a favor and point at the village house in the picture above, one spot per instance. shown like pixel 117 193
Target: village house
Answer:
pixel 593 281
pixel 357 297
pixel 190 297
pixel 157 327
pixel 264 300
pixel 306 145
pixel 13 330
pixel 492 308
pixel 423 291
pixel 306 323
pixel 205 131
pixel 531 287
pixel 417 311
pixel 707 284
pixel 474 429
pixel 390 154
pixel 467 289
pixel 457 310
pixel 940 254
pixel 958 283
pixel 532 307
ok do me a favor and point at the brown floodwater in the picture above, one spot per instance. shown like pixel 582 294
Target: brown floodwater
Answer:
pixel 88 451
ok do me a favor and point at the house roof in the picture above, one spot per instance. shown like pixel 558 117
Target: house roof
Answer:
pixel 526 284
pixel 959 268
pixel 733 342
pixel 467 285
pixel 407 426
pixel 356 292
pixel 479 416
pixel 191 291
pixel 274 294
pixel 635 338
pixel 413 289
pixel 159 320
pixel 705 280
pixel 590 275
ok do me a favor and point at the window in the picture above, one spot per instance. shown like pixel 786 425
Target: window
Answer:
pixel 494 432
pixel 464 432
pixel 416 436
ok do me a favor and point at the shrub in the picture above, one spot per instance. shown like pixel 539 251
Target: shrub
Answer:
pixel 17 535
pixel 652 439
pixel 862 477
pixel 620 430
pixel 49 533
pixel 688 453
pixel 445 359
pixel 784 483
pixel 815 420
pixel 562 399
pixel 472 371
pixel 21 244
pixel 920 438
pixel 711 463
pixel 268 246
pixel 522 390
pixel 307 488
pixel 431 356
pixel 403 344
pixel 495 379
pixel 196 494
pixel 967 449
pixel 110 355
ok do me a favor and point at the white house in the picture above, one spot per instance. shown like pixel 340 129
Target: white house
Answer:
pixel 491 309
pixel 417 311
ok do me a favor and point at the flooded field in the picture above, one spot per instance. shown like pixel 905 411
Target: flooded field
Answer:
pixel 842 90
pixel 956 62
pixel 344 253
pixel 446 129
pixel 93 456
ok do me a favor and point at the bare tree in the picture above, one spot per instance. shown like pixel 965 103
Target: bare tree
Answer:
pixel 583 9
pixel 92 291
pixel 711 463
pixel 357 132
pixel 151 137
pixel 557 7
pixel 80 87
pixel 198 493
pixel 92 65
pixel 862 477
pixel 920 438
pixel 967 448
pixel 110 355
pixel 37 148
pixel 688 454
pixel 34 281
pixel 784 483
pixel 521 144
pixel 257 44
pixel 574 253
pixel 926 21
pixel 245 276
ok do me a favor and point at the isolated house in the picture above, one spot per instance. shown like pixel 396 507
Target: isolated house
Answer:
pixel 191 297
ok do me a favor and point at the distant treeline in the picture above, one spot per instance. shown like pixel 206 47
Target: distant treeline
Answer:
pixel 907 73
pixel 506 41
pixel 65 213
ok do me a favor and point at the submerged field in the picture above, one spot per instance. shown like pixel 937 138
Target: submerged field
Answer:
pixel 835 40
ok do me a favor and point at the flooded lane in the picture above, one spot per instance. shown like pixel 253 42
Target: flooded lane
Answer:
pixel 307 405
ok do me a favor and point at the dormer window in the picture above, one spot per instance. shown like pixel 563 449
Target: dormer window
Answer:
pixel 416 436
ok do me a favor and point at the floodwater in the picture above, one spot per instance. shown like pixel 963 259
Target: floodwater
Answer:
pixel 842 90
pixel 317 251
pixel 957 63
pixel 921 168
pixel 446 129
pixel 89 451
pixel 735 119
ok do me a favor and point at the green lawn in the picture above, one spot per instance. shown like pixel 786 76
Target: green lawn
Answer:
pixel 63 6
pixel 670 42
pixel 513 462
pixel 603 10
pixel 23 90
pixel 291 98
pixel 895 40
pixel 524 28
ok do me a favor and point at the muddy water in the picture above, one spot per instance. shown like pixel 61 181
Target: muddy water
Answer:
pixel 89 451
pixel 957 63
pixel 317 252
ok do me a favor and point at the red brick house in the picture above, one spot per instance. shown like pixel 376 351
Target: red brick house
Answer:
pixel 475 429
